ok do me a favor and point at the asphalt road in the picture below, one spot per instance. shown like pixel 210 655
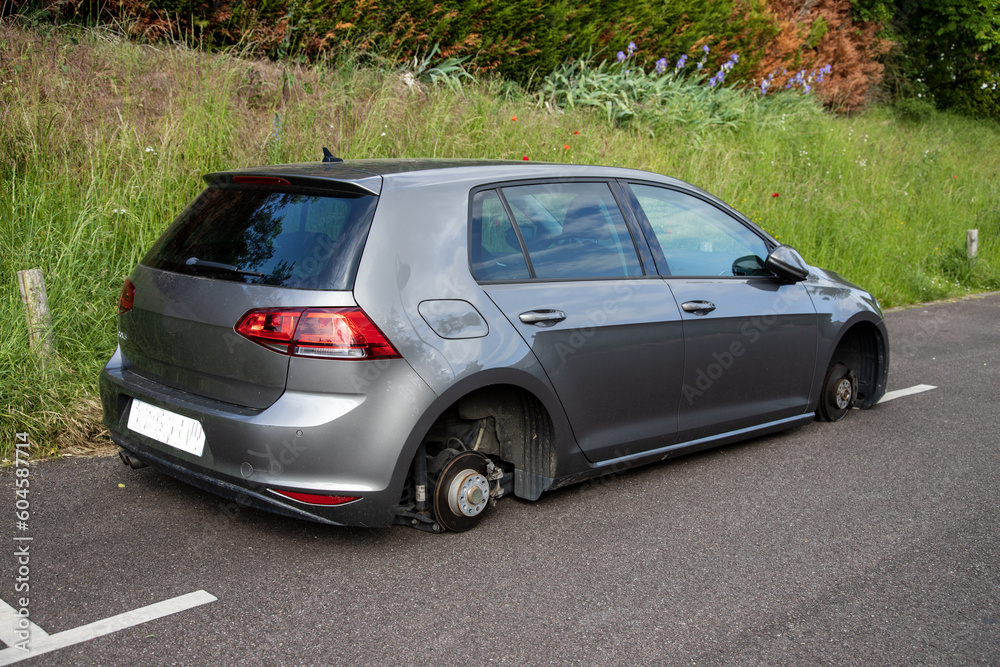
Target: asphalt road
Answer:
pixel 875 540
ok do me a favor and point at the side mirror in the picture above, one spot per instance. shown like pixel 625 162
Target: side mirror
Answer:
pixel 786 263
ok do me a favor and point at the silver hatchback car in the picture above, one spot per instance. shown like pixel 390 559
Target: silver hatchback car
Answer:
pixel 405 341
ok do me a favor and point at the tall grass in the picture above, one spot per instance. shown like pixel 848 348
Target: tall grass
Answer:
pixel 104 141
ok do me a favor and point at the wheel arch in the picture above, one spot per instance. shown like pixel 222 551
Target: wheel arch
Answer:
pixel 863 346
pixel 531 427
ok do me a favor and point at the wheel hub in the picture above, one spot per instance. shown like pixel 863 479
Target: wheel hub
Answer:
pixel 469 493
pixel 462 491
pixel 844 393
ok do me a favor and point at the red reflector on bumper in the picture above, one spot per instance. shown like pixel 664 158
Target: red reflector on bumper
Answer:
pixel 127 298
pixel 315 498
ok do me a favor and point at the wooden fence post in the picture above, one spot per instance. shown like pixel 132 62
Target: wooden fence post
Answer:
pixel 36 313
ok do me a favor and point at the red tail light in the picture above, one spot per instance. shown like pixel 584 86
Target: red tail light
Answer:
pixel 273 328
pixel 315 498
pixel 333 333
pixel 127 298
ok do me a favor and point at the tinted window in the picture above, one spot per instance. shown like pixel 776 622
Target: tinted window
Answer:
pixel 696 238
pixel 573 230
pixel 288 239
pixel 496 252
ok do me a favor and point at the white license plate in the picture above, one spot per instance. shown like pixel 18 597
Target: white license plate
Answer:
pixel 164 426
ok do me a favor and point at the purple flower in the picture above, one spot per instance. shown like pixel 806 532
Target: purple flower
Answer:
pixel 631 48
pixel 735 58
pixel 704 48
pixel 681 62
pixel 807 88
pixel 621 56
pixel 661 65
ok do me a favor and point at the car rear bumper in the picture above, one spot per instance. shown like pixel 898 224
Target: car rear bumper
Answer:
pixel 328 444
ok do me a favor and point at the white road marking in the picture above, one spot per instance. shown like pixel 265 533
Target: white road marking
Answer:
pixel 916 389
pixel 8 623
pixel 42 642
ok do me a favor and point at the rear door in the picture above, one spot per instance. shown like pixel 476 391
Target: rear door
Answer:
pixel 608 336
pixel 750 339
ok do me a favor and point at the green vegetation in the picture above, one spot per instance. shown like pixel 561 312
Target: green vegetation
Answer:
pixel 517 39
pixel 104 141
pixel 945 51
pixel 669 95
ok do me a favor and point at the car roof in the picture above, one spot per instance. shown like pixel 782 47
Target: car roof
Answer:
pixel 368 175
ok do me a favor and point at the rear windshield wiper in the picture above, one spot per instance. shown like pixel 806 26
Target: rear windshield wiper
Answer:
pixel 196 263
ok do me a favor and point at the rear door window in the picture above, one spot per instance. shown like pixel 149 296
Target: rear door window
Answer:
pixel 573 231
pixel 299 239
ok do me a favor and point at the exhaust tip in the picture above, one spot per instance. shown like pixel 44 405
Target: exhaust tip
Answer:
pixel 130 460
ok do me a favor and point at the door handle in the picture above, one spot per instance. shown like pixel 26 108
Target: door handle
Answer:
pixel 698 307
pixel 543 318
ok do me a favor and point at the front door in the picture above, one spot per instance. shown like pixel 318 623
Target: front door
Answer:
pixel 749 360
pixel 750 339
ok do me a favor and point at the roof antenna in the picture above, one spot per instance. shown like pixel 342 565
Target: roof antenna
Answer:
pixel 330 157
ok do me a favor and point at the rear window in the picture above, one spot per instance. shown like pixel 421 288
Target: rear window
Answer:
pixel 259 236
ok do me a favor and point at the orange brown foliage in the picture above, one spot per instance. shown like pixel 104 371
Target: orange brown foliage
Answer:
pixel 850 48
